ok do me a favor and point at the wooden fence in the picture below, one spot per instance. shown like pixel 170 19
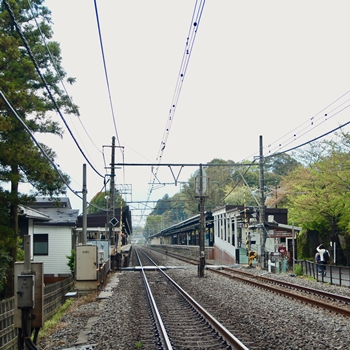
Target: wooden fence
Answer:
pixel 54 297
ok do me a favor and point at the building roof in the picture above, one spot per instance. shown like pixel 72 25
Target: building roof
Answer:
pixel 58 210
pixel 31 213
pixel 183 226
pixel 47 202
pixel 101 218
pixel 60 216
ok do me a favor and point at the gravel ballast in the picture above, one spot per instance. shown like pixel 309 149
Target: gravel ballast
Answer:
pixel 273 322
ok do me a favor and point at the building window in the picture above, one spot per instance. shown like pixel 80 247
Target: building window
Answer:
pixel 41 244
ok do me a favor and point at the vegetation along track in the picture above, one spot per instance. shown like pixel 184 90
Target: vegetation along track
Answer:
pixel 180 321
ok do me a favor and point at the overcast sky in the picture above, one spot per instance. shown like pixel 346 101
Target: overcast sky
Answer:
pixel 256 68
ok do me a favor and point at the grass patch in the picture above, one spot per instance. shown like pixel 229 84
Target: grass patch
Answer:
pixel 51 324
pixel 55 323
pixel 298 270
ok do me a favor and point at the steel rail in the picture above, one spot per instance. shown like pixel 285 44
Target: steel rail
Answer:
pixel 163 333
pixel 288 294
pixel 309 290
pixel 224 332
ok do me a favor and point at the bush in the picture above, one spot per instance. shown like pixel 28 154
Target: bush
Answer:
pixel 298 270
pixel 5 259
pixel 71 261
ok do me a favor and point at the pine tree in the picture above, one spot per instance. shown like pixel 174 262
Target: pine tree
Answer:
pixel 23 55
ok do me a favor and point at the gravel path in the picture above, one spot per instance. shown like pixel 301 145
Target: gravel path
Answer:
pixel 273 322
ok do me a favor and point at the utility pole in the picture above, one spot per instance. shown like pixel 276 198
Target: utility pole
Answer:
pixel 200 189
pixel 112 196
pixel 84 238
pixel 262 204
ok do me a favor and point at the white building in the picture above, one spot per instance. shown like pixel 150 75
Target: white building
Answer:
pixel 51 225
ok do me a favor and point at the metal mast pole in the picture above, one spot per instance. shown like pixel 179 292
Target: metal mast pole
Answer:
pixel 112 194
pixel 84 238
pixel 112 222
pixel 262 203
pixel 202 226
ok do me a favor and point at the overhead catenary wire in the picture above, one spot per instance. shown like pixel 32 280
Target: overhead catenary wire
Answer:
pixel 18 29
pixel 193 28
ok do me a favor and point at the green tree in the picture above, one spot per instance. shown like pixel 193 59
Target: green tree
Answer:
pixel 102 201
pixel 242 195
pixel 318 195
pixel 162 205
pixel 20 159
pixel 281 164
pixel 153 225
pixel 5 260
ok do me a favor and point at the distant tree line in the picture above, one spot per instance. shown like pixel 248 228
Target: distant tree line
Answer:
pixel 313 184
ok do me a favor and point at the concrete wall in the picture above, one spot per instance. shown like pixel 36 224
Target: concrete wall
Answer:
pixel 188 251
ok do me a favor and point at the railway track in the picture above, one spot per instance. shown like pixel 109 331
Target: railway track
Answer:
pixel 314 297
pixel 179 321
pixel 327 301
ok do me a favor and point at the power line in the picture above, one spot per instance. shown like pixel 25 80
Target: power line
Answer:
pixel 310 141
pixel 35 141
pixel 58 73
pixel 106 73
pixel 44 153
pixel 312 122
pixel 45 83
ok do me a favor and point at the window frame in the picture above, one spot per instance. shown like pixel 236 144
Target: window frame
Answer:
pixel 40 238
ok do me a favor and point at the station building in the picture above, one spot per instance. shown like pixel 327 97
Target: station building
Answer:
pixel 230 232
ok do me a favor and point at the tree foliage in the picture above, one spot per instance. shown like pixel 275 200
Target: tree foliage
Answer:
pixel 153 225
pixel 317 195
pixel 102 201
pixel 281 164
pixel 227 183
pixel 313 185
pixel 20 159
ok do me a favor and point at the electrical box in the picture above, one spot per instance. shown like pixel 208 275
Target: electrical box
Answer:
pixel 101 257
pixel 37 270
pixel 25 291
pixel 86 262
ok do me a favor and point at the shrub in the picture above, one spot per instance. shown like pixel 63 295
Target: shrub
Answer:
pixel 298 270
pixel 71 261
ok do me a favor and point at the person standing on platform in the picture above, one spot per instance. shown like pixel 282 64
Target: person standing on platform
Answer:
pixel 284 261
pixel 324 257
pixel 317 261
pixel 282 250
